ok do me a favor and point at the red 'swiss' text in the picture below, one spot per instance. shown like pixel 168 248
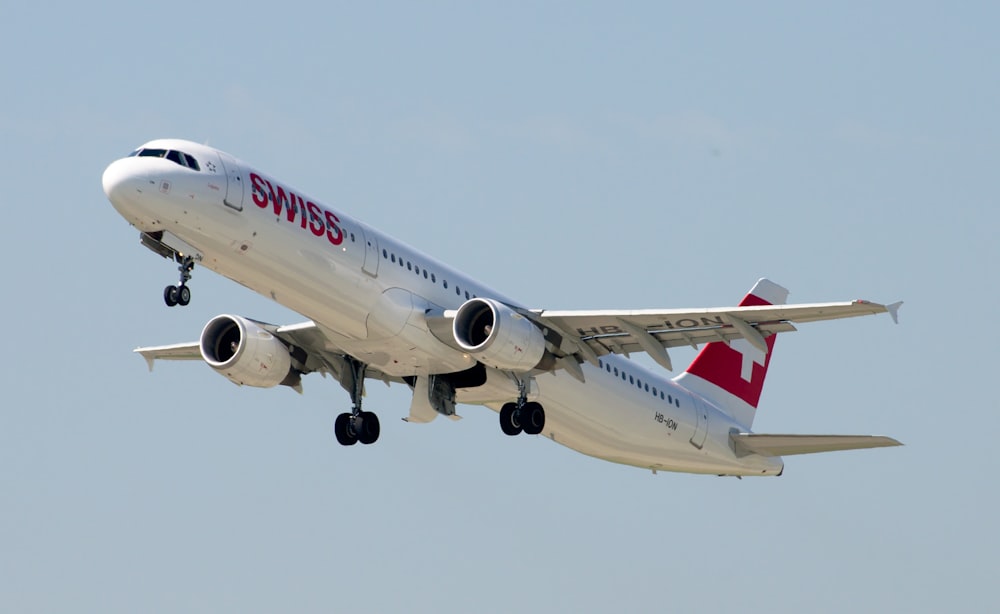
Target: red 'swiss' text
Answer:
pixel 308 214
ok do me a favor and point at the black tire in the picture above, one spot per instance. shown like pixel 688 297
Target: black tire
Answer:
pixel 342 429
pixel 183 295
pixel 370 428
pixel 532 418
pixel 170 295
pixel 509 423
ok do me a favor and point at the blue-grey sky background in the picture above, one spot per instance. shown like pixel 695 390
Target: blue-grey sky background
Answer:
pixel 572 155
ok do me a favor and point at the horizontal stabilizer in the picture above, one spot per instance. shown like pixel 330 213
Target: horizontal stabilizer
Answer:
pixel 788 445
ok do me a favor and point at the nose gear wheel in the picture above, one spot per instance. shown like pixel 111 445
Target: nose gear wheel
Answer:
pixel 180 294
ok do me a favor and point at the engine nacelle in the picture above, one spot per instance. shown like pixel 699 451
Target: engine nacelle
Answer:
pixel 245 353
pixel 498 336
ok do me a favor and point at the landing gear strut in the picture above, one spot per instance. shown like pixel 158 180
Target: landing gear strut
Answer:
pixel 180 294
pixel 523 415
pixel 357 425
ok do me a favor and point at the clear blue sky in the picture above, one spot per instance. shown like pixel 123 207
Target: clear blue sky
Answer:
pixel 573 155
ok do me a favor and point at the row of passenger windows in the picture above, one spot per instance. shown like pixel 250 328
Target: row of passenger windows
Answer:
pixel 427 274
pixel 177 157
pixel 638 383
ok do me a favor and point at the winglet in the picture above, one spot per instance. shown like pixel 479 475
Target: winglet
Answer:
pixel 894 311
pixel 149 359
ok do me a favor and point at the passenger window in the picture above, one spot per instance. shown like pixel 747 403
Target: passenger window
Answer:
pixel 445 282
pixel 416 269
pixel 385 254
pixel 630 380
pixel 425 273
pixel 661 394
pixel 654 391
pixel 409 267
pixel 647 388
pixel 677 402
pixel 433 279
pixel 458 291
pixel 466 295
pixel 609 368
pixel 616 371
pixel 393 258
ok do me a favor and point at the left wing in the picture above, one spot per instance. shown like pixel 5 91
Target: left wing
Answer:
pixel 590 334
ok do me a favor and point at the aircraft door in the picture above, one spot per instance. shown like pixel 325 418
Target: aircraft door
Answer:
pixel 701 424
pixel 234 182
pixel 370 265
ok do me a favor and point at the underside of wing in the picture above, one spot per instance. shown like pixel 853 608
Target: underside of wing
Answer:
pixel 322 354
pixel 591 334
pixel 788 445
pixel 176 351
pixel 309 347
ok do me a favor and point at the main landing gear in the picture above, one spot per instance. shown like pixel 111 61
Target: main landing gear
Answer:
pixel 363 426
pixel 523 415
pixel 180 294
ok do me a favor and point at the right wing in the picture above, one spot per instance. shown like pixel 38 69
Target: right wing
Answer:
pixel 311 350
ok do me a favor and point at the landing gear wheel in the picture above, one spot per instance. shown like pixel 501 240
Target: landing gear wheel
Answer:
pixel 180 294
pixel 343 430
pixel 368 428
pixel 532 418
pixel 509 423
pixel 170 295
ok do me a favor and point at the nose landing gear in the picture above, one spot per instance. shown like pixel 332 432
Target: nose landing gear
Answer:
pixel 180 294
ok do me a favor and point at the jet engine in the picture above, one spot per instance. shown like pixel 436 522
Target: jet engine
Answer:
pixel 244 352
pixel 498 336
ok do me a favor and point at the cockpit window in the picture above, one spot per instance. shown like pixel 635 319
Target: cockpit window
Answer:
pixel 177 157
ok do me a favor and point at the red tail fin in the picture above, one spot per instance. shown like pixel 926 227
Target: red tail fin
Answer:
pixel 732 375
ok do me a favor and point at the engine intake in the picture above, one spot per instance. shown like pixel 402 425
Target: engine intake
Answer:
pixel 498 336
pixel 245 353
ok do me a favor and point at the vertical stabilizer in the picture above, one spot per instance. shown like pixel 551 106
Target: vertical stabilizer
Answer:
pixel 731 375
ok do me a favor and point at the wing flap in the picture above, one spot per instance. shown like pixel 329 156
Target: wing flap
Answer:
pixel 788 445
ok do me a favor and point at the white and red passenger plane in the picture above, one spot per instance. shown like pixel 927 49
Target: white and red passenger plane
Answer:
pixel 380 309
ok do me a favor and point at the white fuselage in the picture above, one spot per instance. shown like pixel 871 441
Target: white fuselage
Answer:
pixel 369 293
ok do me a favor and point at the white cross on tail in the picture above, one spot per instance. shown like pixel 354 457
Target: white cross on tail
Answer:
pixel 751 355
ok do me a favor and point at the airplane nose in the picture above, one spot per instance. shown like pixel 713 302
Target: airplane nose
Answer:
pixel 116 180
